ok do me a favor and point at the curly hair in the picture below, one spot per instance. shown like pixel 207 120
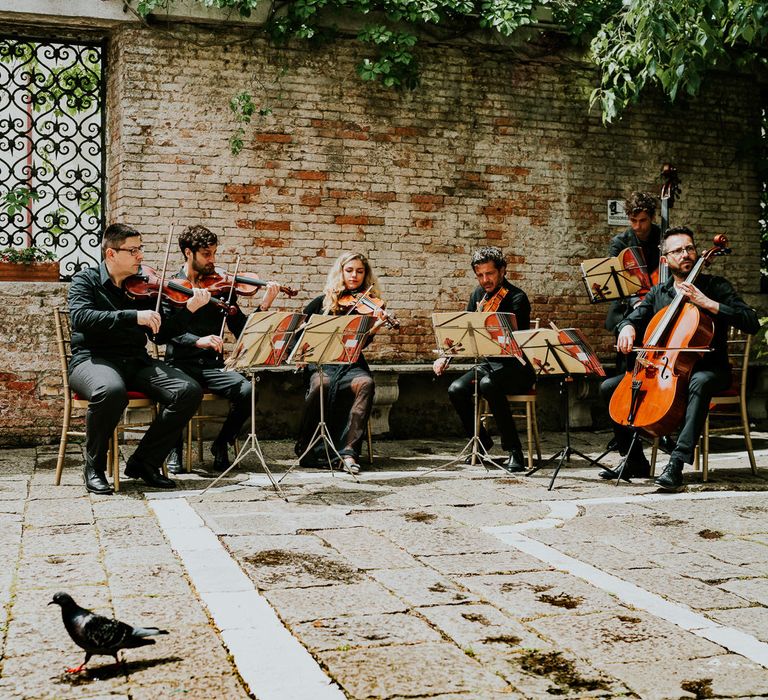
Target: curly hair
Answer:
pixel 196 237
pixel 638 202
pixel 489 254
pixel 334 283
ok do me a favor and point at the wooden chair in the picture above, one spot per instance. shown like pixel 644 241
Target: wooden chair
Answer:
pixel 136 400
pixel 195 426
pixel 528 402
pixel 732 404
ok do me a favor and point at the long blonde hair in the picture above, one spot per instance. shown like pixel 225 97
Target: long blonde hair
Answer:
pixel 334 283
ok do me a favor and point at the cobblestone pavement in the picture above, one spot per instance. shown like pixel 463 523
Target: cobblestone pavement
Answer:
pixel 460 583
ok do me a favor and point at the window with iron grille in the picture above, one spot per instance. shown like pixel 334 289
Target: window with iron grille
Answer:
pixel 52 149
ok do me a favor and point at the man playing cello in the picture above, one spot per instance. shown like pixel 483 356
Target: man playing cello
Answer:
pixel 711 374
pixel 497 376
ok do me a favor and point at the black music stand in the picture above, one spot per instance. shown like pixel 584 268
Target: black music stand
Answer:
pixel 263 343
pixel 567 353
pixel 476 335
pixel 329 340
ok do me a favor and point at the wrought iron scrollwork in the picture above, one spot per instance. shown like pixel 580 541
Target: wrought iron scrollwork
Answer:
pixel 52 149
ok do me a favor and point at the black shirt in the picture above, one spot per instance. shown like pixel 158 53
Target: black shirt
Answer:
pixel 620 308
pixel 181 350
pixel 103 320
pixel 733 312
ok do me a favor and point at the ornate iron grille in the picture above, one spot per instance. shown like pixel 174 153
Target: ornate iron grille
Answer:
pixel 52 149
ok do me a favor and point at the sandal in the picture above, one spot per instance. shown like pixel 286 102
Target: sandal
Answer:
pixel 349 465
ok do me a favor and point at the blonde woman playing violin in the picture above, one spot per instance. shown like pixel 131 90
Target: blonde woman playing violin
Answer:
pixel 348 389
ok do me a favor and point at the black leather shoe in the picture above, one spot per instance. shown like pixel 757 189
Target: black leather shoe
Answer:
pixel 515 463
pixel 150 476
pixel 671 478
pixel 220 454
pixel 636 467
pixel 175 462
pixel 96 481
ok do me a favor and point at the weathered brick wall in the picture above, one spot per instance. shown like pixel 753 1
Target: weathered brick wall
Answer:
pixel 490 150
pixel 487 151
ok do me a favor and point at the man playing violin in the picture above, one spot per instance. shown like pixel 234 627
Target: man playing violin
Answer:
pixel 497 376
pixel 347 388
pixel 198 349
pixel 710 375
pixel 109 358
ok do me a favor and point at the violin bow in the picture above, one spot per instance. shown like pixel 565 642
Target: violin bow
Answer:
pixel 165 267
pixel 229 297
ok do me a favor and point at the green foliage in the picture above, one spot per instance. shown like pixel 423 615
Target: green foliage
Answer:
pixel 17 199
pixel 244 108
pixel 26 256
pixel 672 45
pixel 243 7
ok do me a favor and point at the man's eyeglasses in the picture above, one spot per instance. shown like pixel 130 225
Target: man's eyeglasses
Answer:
pixel 679 252
pixel 133 251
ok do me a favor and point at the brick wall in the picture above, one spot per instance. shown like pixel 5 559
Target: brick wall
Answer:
pixel 490 150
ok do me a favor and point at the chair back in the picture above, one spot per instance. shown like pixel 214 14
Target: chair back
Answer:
pixel 739 344
pixel 64 344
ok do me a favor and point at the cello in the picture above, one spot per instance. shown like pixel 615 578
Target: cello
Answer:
pixel 651 397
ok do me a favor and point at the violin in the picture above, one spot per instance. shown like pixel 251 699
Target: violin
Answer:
pixel 146 285
pixel 652 397
pixel 364 304
pixel 220 283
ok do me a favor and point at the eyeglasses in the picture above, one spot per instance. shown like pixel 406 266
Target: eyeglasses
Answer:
pixel 679 252
pixel 133 251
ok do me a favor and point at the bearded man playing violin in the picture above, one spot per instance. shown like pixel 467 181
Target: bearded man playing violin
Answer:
pixel 109 358
pixel 198 349
pixel 497 376
pixel 710 375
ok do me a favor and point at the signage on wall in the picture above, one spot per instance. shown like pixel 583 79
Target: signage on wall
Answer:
pixel 616 215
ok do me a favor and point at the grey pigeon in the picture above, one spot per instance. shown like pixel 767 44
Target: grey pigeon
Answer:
pixel 98 634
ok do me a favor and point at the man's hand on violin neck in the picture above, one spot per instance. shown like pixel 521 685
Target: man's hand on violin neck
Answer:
pixel 199 299
pixel 626 340
pixel 214 342
pixel 151 319
pixel 697 297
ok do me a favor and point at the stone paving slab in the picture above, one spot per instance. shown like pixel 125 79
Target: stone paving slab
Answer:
pixel 390 582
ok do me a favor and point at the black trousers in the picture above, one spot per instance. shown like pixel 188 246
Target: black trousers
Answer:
pixel 104 383
pixel 495 381
pixel 232 386
pixel 704 383
pixel 348 399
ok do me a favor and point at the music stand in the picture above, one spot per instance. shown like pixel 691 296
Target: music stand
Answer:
pixel 475 334
pixel 329 340
pixel 566 352
pixel 612 279
pixel 263 343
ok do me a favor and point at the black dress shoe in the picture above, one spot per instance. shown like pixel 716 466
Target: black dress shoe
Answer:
pixel 671 479
pixel 96 481
pixel 175 461
pixel 150 476
pixel 220 454
pixel 515 463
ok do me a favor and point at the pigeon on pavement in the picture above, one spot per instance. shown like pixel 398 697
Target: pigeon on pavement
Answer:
pixel 98 634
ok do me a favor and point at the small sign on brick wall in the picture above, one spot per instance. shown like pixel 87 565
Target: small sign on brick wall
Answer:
pixel 616 215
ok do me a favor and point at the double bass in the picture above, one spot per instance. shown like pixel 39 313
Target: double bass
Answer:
pixel 652 397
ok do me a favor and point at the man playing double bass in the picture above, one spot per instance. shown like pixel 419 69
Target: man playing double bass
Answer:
pixel 711 374
pixel 497 376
